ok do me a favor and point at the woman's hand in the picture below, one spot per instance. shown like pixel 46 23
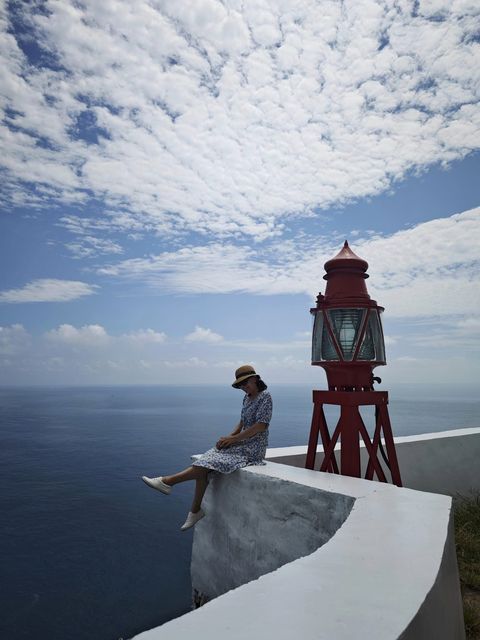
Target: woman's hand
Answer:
pixel 226 441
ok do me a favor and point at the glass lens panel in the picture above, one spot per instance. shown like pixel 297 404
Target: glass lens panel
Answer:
pixel 322 345
pixel 328 350
pixel 373 347
pixel 317 337
pixel 346 325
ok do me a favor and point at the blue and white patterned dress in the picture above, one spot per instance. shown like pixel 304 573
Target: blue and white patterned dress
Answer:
pixel 246 452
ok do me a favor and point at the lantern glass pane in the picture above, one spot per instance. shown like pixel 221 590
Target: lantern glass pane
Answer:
pixel 322 345
pixel 328 349
pixel 346 325
pixel 317 336
pixel 373 346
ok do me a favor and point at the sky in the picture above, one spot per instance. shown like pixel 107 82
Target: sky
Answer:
pixel 174 175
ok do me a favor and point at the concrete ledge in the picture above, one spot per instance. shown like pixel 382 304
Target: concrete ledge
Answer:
pixel 287 520
pixel 388 572
pixel 444 462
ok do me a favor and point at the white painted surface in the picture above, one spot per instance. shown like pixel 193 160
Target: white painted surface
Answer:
pixel 445 462
pixel 388 572
pixel 287 520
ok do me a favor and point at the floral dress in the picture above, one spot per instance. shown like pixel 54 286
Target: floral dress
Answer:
pixel 246 452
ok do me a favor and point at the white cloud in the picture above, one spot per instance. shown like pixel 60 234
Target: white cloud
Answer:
pixel 203 335
pixel 469 326
pixel 190 363
pixel 146 336
pixel 92 335
pixel 303 334
pixel 289 363
pixel 90 355
pixel 48 290
pixel 228 119
pixel 428 270
pixel 92 246
pixel 449 333
pixel 13 339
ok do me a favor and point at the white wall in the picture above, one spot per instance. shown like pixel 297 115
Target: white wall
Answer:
pixel 387 570
pixel 268 523
pixel 446 462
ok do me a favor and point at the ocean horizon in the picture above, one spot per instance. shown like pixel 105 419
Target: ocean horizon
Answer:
pixel 88 551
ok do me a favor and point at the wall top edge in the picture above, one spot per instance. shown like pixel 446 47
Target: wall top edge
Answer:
pixel 297 450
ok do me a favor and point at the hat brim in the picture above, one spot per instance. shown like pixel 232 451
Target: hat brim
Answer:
pixel 237 383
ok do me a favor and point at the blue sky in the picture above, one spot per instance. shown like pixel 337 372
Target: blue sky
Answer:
pixel 174 176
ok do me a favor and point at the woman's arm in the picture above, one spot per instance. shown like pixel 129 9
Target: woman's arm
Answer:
pixel 251 431
pixel 237 429
pixel 242 435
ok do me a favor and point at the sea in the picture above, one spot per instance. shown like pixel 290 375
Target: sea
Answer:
pixel 88 551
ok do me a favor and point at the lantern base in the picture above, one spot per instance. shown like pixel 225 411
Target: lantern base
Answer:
pixel 349 429
pixel 349 376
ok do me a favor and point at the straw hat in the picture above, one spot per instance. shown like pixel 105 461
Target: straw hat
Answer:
pixel 243 373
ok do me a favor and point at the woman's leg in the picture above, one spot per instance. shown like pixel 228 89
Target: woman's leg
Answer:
pixel 200 488
pixel 190 473
pixel 199 474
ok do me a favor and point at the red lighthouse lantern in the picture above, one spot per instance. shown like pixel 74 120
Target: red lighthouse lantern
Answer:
pixel 348 343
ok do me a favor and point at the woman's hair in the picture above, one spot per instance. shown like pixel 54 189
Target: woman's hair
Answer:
pixel 260 384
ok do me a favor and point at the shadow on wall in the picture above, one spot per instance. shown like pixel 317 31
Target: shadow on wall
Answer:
pixel 284 521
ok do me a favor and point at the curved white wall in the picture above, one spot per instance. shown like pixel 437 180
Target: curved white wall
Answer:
pixel 388 572
pixel 443 462
pixel 269 522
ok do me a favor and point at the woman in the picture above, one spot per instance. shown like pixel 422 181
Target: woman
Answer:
pixel 246 444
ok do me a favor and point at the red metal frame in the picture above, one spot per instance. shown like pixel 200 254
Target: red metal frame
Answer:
pixel 349 429
pixel 333 337
pixel 350 382
pixel 362 335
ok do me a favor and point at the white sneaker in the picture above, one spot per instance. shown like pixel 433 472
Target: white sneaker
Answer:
pixel 192 520
pixel 158 484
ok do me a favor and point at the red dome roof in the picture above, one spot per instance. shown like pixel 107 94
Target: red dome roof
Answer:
pixel 346 258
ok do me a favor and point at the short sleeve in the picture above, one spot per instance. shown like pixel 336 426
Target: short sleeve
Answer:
pixel 264 409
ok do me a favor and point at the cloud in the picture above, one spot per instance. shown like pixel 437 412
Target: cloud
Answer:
pixel 204 335
pixel 92 246
pixel 428 270
pixel 469 326
pixel 450 333
pixel 92 335
pixel 92 355
pixel 190 363
pixel 145 336
pixel 431 269
pixel 48 290
pixel 228 120
pixel 191 269
pixel 304 334
pixel 13 339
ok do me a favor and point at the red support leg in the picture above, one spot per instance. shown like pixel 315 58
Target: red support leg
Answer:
pixel 373 461
pixel 329 451
pixel 350 452
pixel 313 440
pixel 332 466
pixel 373 455
pixel 349 429
pixel 390 445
